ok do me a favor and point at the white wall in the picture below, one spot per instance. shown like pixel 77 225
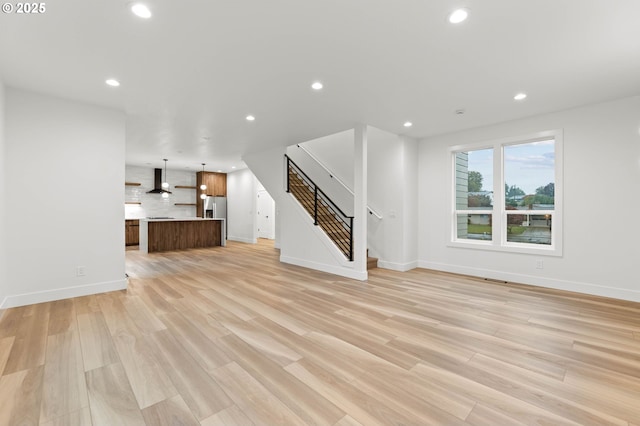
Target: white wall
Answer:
pixel 242 188
pixel 65 203
pixel 3 205
pixel 601 176
pixel 336 153
pixel 336 150
pixel 153 205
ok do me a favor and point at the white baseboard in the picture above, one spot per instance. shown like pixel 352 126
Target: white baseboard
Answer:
pixel 62 293
pixel 243 240
pixel 557 284
pixel 402 267
pixel 343 272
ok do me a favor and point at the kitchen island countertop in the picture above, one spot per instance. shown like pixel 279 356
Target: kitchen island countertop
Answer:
pixel 169 219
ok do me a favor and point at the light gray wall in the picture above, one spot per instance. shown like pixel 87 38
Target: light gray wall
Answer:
pixel 65 161
pixel 3 206
pixel 336 150
pixel 601 175
pixel 153 205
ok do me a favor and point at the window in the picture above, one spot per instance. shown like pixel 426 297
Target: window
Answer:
pixel 507 194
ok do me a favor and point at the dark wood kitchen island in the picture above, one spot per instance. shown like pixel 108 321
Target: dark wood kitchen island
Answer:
pixel 181 233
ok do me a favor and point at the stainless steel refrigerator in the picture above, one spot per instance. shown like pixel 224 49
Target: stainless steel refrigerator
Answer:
pixel 216 208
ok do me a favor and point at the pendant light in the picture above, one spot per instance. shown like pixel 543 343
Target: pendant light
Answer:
pixel 165 183
pixel 203 186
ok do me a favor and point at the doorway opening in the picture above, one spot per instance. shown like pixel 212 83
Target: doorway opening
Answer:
pixel 265 208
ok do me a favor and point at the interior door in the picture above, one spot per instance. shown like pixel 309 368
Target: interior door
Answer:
pixel 266 219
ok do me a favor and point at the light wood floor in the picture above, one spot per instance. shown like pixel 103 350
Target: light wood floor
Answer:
pixel 230 336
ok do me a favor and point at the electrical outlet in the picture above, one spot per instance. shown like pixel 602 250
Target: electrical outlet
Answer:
pixel 81 271
pixel 539 264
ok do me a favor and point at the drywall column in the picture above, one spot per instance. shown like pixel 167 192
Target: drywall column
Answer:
pixel 410 204
pixel 360 200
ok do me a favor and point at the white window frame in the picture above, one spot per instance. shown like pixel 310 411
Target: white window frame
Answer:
pixel 499 213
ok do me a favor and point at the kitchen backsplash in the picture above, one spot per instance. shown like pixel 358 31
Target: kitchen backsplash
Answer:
pixel 153 205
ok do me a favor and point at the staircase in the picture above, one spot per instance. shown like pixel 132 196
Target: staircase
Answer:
pixel 325 213
pixel 333 221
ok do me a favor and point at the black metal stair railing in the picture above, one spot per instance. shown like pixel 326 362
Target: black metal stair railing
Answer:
pixel 326 214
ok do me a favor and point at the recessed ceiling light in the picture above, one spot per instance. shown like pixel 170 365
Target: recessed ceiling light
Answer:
pixel 233 167
pixel 141 10
pixel 250 118
pixel 408 124
pixel 317 86
pixel 113 82
pixel 520 96
pixel 458 15
pixel 219 171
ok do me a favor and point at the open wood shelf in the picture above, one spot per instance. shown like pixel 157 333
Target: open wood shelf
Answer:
pixel 132 184
pixel 133 202
pixel 185 187
pixel 185 204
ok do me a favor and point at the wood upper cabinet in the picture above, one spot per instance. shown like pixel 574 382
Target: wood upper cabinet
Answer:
pixel 216 183
pixel 216 187
pixel 219 185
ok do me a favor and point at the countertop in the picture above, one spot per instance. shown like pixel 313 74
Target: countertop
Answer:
pixel 175 219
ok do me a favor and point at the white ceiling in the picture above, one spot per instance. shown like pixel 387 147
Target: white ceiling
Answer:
pixel 192 72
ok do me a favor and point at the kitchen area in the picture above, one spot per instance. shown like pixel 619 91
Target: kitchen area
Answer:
pixel 174 209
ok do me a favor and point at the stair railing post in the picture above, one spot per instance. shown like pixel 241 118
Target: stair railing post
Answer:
pixel 351 239
pixel 315 205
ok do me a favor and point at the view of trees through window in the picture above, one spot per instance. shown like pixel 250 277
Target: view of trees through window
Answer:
pixel 528 176
pixel 474 194
pixel 530 168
